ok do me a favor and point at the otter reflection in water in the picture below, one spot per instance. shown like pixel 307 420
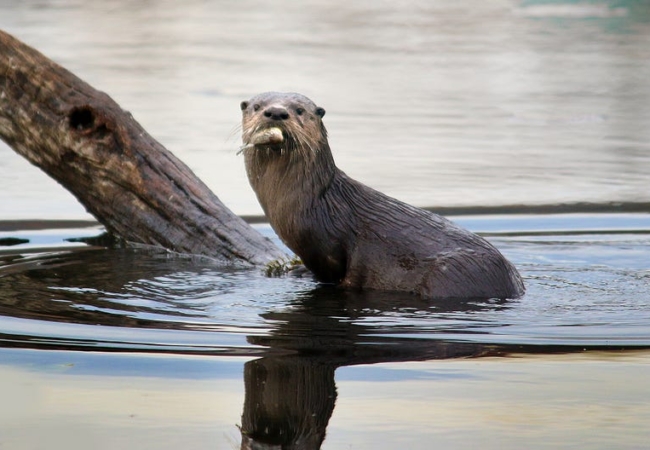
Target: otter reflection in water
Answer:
pixel 347 233
pixel 291 394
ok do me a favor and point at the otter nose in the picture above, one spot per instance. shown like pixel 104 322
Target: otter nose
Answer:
pixel 276 113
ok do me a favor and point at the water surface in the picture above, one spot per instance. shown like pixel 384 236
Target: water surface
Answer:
pixel 436 103
pixel 142 348
pixel 72 400
pixel 586 286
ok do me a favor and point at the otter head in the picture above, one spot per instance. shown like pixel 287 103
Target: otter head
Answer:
pixel 285 147
pixel 283 122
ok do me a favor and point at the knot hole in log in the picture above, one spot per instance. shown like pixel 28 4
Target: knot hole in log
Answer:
pixel 81 118
pixel 85 120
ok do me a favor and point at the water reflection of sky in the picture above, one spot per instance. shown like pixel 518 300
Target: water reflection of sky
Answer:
pixel 556 402
pixel 77 400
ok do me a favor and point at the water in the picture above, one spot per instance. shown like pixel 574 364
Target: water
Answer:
pixel 586 289
pixel 138 348
pixel 504 105
pixel 476 103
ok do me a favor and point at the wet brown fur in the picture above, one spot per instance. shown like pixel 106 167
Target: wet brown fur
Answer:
pixel 350 234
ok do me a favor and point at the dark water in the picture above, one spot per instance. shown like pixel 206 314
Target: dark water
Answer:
pixel 587 277
pixel 453 104
pixel 588 285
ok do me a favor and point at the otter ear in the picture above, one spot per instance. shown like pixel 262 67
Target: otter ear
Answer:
pixel 243 105
pixel 320 112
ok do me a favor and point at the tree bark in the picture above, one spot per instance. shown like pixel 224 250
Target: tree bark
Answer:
pixel 134 186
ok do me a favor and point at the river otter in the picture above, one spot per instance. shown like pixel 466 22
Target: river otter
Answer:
pixel 347 233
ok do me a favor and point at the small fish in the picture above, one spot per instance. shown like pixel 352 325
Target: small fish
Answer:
pixel 268 136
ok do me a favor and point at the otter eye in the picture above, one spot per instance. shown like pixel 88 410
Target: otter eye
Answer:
pixel 320 112
pixel 256 107
pixel 299 111
pixel 243 105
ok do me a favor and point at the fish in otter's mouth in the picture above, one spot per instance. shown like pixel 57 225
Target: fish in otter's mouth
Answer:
pixel 271 137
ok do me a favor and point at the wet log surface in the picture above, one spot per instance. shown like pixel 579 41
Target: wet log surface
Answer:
pixel 135 187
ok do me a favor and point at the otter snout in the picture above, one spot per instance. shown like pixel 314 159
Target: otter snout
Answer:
pixel 276 113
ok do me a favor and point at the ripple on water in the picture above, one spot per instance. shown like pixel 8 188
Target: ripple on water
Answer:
pixel 583 289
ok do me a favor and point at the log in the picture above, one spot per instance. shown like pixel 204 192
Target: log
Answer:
pixel 132 185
